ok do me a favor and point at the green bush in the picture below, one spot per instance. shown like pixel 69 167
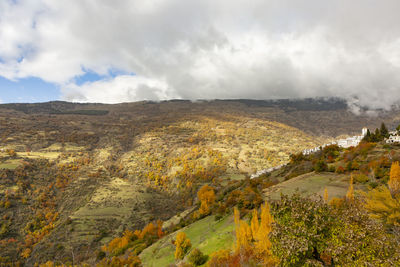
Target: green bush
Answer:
pixel 197 257
pixel 320 166
pixel 373 184
pixel 361 178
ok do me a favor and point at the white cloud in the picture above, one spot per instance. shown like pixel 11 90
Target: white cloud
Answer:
pixel 122 88
pixel 206 49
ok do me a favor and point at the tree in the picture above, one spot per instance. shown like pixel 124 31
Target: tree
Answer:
pixel 182 244
pixel 394 181
pixel 207 197
pixel 252 242
pixel 243 233
pixel 261 237
pixel 350 191
pixel 367 137
pixel 320 166
pixel 309 232
pixel 326 196
pixel 382 205
pixel 254 225
pixel 197 257
pixel 384 131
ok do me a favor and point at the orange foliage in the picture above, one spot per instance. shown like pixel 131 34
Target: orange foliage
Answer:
pixel 207 197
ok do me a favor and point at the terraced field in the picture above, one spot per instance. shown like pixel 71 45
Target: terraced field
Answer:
pixel 313 183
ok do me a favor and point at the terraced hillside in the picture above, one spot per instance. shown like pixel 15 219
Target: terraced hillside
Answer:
pixel 74 176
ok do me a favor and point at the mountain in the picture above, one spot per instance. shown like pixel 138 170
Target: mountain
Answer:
pixel 75 176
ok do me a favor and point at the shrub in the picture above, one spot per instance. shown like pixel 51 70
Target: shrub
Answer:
pixel 361 178
pixel 340 169
pixel 197 257
pixel 320 166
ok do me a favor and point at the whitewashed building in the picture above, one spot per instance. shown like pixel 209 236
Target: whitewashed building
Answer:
pixel 345 143
pixel 394 137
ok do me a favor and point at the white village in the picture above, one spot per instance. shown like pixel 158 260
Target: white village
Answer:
pixel 352 141
pixel 394 137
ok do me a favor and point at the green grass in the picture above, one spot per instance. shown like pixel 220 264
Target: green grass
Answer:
pixel 10 164
pixel 313 183
pixel 206 234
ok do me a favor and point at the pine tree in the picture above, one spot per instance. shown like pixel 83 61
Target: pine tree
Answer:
pixel 384 131
pixel 394 181
pixel 350 191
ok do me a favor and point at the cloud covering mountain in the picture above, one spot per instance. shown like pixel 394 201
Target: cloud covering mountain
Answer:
pixel 162 49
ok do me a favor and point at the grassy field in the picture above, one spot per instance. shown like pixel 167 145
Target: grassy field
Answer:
pixel 207 235
pixel 10 164
pixel 312 183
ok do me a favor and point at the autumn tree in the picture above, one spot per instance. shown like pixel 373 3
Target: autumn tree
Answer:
pixel 309 232
pixel 350 191
pixel 182 244
pixel 382 205
pixel 206 196
pixel 261 236
pixel 394 181
pixel 243 233
pixel 326 196
pixel 253 240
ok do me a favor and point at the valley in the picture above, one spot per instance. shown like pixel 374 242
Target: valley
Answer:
pixel 76 176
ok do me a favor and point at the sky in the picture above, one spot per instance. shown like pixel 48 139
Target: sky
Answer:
pixel 128 50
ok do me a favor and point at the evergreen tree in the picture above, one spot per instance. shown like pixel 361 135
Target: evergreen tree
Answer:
pixel 384 131
pixel 398 129
pixel 367 137
pixel 377 135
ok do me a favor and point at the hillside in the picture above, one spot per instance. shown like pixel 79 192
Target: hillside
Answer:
pixel 75 176
pixel 207 234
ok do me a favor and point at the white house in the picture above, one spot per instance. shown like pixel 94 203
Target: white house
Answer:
pixel 345 143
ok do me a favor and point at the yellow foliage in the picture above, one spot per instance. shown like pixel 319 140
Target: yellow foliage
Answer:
pixel 336 202
pixel 182 244
pixel 255 238
pixel 26 253
pixel 261 239
pixel 219 258
pixel 394 181
pixel 350 191
pixel 380 203
pixel 326 196
pixel 207 197
pixel 255 225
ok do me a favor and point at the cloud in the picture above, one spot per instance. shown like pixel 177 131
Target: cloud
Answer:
pixel 206 49
pixel 123 88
